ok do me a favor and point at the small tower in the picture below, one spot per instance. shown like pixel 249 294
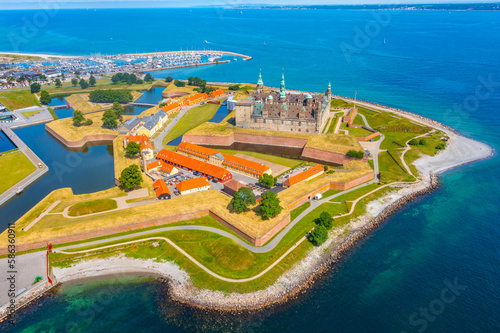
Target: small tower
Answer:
pixel 328 92
pixel 260 84
pixel 282 87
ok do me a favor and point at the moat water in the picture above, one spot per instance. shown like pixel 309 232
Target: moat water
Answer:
pixel 435 63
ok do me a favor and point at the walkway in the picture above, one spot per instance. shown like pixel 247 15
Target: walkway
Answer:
pixel 39 172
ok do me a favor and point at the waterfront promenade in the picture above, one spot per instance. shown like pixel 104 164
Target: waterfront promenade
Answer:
pixel 39 172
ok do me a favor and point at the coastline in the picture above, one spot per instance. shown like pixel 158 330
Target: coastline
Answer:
pixel 459 151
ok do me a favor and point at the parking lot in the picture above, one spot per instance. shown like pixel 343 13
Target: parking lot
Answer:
pixel 291 173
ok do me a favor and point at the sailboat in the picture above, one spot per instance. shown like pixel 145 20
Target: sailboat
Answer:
pixel 384 40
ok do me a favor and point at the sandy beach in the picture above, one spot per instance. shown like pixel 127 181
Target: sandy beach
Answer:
pixel 460 150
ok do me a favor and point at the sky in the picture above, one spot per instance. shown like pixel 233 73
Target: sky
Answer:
pixel 35 4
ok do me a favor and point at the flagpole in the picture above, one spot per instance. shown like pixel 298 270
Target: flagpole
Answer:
pixel 355 96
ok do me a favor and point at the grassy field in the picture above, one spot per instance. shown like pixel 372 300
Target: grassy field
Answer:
pixel 29 113
pixel 359 132
pixel 431 141
pixel 339 103
pixel 89 207
pixel 411 156
pixel 391 168
pixel 15 167
pixel 353 195
pixel 288 162
pixel 193 118
pixel 297 211
pixel 395 129
pixel 65 91
pixel 66 129
pixel 18 57
pixel 18 99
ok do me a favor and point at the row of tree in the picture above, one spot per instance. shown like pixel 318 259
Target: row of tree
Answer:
pixel 110 95
pixel 130 78
pixel 356 153
pixel 269 206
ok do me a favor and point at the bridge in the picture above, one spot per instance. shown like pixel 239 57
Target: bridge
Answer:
pixel 58 107
pixel 142 104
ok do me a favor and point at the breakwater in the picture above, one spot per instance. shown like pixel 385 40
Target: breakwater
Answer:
pixel 296 281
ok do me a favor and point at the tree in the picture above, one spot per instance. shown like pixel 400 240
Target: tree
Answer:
pixel 234 87
pixel 78 118
pixel 92 81
pixel 110 96
pixel 45 97
pixel 116 78
pixel 169 79
pixel 131 177
pixel 109 119
pixel 77 73
pixel 63 77
pixel 267 180
pixel 270 205
pixel 88 122
pixel 325 219
pixel 10 79
pixel 179 83
pixel 21 79
pixel 118 110
pixel 35 87
pixel 43 77
pixel 242 199
pixel 356 153
pixel 133 148
pixel 74 82
pixel 58 83
pixel 422 142
pixel 139 81
pixel 84 84
pixel 413 142
pixel 318 236
pixel 148 77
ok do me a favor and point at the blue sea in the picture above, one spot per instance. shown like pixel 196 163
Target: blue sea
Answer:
pixel 432 267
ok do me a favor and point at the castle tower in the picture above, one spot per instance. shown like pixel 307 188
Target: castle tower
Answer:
pixel 282 87
pixel 260 84
pixel 328 92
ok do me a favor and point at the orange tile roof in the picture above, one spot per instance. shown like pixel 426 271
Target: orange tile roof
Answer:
pixel 153 165
pixel 142 139
pixel 193 164
pixel 217 93
pixel 244 164
pixel 172 106
pixel 304 175
pixel 196 97
pixel 166 167
pixel 160 187
pixel 196 150
pixel 229 160
pixel 193 183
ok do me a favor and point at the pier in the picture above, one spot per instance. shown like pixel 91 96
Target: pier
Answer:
pixel 34 176
pixel 142 104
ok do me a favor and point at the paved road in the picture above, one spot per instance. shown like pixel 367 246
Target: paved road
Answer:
pixel 158 142
pixel 27 267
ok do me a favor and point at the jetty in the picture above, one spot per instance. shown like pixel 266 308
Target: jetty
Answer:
pixel 41 167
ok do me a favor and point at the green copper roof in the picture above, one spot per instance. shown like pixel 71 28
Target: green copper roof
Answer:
pixel 282 87
pixel 309 96
pixel 270 97
pixel 260 82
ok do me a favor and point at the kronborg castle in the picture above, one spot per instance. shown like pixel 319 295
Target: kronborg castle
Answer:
pixel 286 112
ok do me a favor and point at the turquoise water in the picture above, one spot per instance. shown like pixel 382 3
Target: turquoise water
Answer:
pixel 432 63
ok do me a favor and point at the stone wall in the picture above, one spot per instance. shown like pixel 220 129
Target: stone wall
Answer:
pixel 326 156
pixel 369 137
pixel 87 139
pixel 259 241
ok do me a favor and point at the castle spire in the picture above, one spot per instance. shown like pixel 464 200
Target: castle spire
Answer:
pixel 260 82
pixel 282 87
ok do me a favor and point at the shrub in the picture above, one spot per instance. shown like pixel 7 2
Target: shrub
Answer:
pixel 234 87
pixel 318 235
pixel 169 79
pixel 355 153
pixel 179 83
pixel 325 219
pixel 441 146
pixel 422 142
pixel 413 142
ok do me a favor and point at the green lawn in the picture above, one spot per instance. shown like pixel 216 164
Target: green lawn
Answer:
pixel 339 103
pixel 29 113
pixel 193 118
pixel 392 170
pixel 431 141
pixel 397 130
pixel 18 99
pixel 353 195
pixel 94 206
pixel 288 162
pixel 359 132
pixel 297 211
pixel 15 167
